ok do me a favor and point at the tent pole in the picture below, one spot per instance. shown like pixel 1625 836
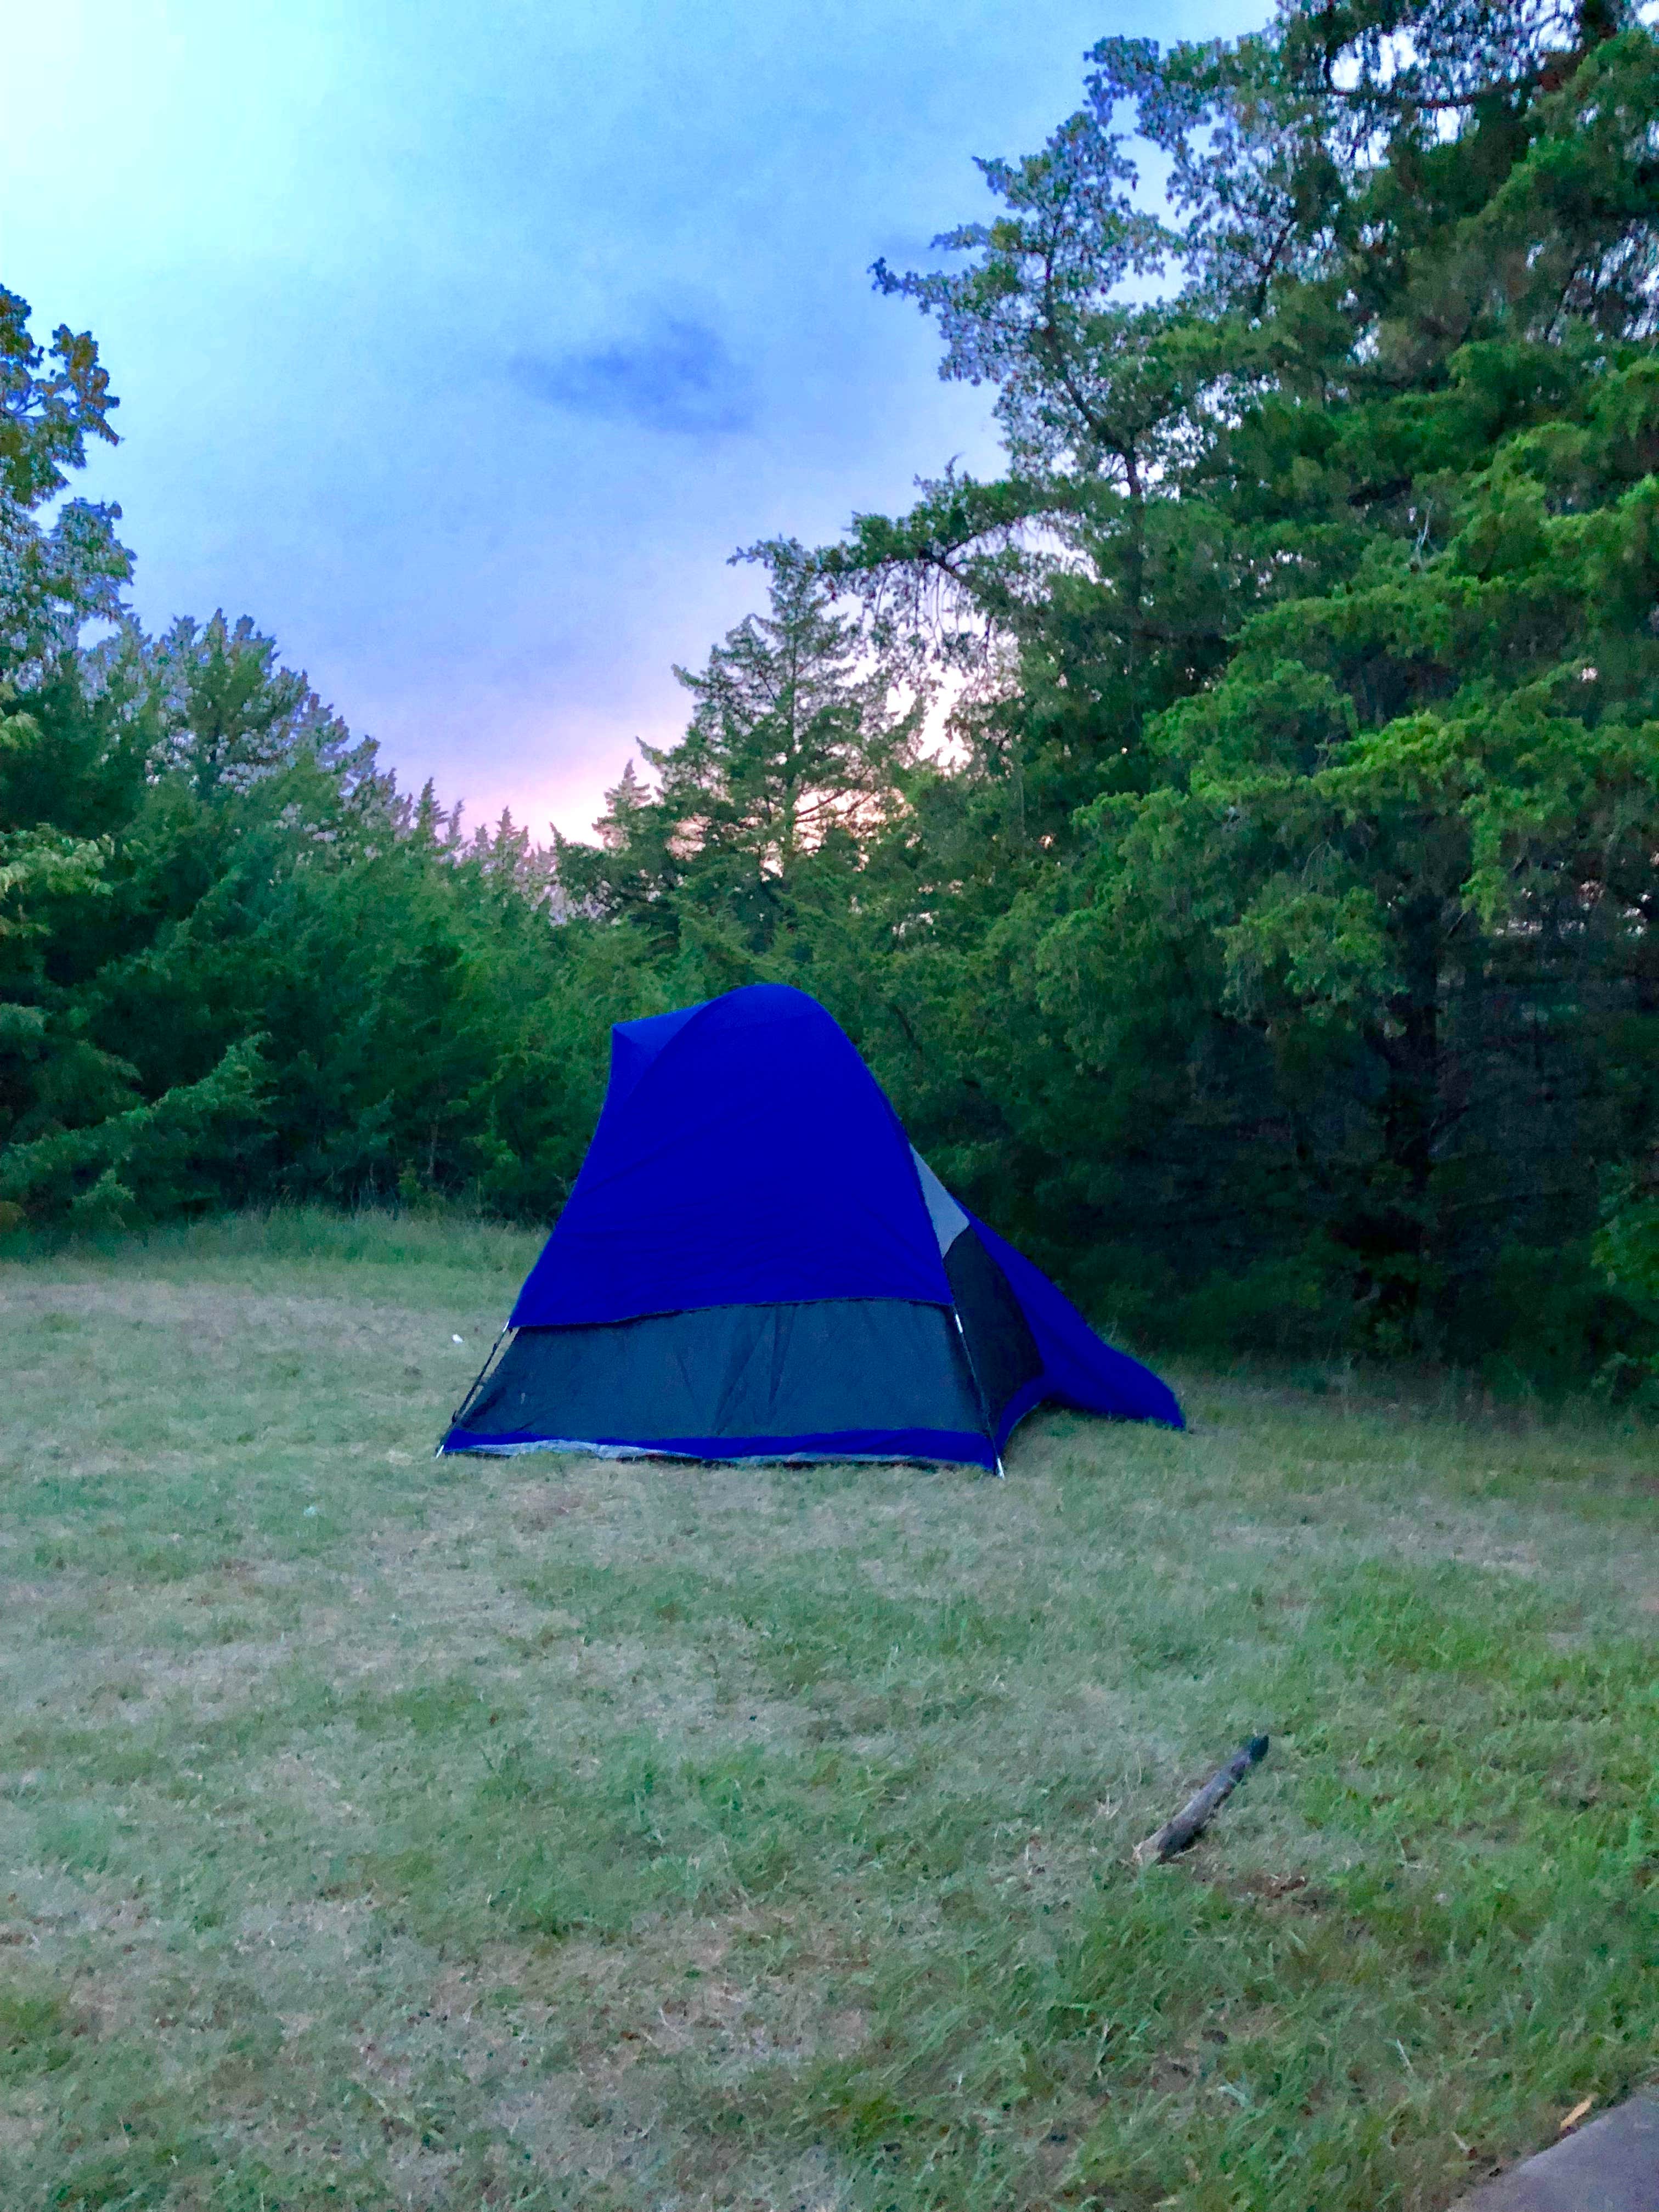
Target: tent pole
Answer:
pixel 979 1392
pixel 466 1395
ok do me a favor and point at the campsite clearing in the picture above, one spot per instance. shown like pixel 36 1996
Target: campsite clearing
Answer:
pixel 380 1831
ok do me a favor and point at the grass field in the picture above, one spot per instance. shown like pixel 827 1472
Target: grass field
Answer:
pixel 377 1833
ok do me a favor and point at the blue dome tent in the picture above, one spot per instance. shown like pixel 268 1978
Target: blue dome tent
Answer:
pixel 754 1263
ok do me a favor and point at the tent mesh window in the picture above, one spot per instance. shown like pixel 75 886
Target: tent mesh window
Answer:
pixel 795 1374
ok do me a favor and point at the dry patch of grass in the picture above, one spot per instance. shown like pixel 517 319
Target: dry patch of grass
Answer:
pixel 379 1833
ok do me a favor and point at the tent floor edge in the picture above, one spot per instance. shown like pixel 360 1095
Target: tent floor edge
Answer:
pixel 941 1452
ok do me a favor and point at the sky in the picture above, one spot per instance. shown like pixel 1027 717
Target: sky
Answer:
pixel 461 342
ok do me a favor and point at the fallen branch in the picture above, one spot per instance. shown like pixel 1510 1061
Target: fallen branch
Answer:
pixel 1190 1822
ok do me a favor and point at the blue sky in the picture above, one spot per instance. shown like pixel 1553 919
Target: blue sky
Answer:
pixel 459 344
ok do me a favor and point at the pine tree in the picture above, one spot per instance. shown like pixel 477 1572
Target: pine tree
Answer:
pixel 1331 579
pixel 790 763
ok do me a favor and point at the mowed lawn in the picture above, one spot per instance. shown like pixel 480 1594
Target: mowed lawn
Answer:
pixel 377 1832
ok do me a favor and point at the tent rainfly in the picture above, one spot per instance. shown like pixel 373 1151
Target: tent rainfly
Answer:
pixel 755 1263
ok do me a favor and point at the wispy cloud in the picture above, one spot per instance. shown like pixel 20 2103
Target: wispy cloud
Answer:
pixel 678 375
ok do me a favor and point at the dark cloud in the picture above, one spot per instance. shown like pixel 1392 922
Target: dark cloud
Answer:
pixel 678 375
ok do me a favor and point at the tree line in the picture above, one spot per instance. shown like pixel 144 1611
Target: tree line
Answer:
pixel 1231 833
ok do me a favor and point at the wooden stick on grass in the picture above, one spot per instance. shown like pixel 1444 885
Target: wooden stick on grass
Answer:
pixel 1190 1822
